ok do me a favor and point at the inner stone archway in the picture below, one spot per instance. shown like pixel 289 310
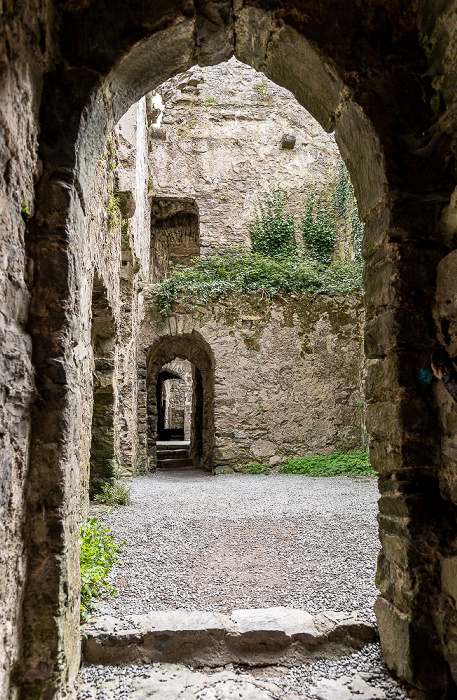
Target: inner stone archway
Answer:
pixel 372 103
pixel 194 349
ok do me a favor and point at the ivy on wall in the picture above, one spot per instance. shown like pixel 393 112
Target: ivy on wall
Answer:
pixel 277 264
pixel 273 231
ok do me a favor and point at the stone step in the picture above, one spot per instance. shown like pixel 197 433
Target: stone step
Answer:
pixel 168 454
pixel 173 445
pixel 256 637
pixel 174 464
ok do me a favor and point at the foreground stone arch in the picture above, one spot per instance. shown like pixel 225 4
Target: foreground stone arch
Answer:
pixel 364 72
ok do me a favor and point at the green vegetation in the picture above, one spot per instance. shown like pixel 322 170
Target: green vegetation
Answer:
pixel 336 464
pixel 114 214
pixel 273 231
pixel 98 554
pixel 240 271
pixel 25 208
pixel 115 493
pixel 277 264
pixel 111 153
pixel 320 228
pixel 254 468
pixel 262 87
pixel 211 101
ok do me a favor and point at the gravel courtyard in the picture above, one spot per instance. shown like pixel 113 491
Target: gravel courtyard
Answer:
pixel 197 541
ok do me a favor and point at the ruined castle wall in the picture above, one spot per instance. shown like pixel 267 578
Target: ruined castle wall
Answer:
pixel 117 253
pixel 24 52
pixel 287 375
pixel 223 129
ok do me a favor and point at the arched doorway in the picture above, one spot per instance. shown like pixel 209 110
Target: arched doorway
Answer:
pixel 355 73
pixel 193 349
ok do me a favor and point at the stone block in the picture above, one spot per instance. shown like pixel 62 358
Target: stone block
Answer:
pixel 288 141
pixel 449 577
pixel 446 280
pixel 252 637
pixel 394 630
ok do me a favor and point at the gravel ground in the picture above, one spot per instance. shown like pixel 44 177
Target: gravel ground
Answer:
pixel 195 541
pixel 201 542
pixel 358 676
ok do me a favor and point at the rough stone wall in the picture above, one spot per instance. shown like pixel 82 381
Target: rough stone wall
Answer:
pixel 25 50
pixel 224 127
pixel 382 75
pixel 132 175
pixel 117 248
pixel 287 375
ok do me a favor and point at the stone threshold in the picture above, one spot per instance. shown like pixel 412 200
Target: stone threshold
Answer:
pixel 253 637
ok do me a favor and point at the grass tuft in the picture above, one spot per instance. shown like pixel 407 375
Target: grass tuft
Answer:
pixel 116 494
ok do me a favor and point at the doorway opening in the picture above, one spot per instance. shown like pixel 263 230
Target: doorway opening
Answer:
pixel 180 399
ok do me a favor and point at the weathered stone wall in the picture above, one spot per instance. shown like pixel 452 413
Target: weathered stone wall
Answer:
pixel 24 55
pixel 382 75
pixel 288 375
pixel 224 127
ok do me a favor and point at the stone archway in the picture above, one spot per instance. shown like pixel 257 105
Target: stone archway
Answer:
pixel 359 70
pixel 193 348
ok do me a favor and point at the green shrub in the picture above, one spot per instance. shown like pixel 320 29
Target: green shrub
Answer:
pixel 240 271
pixel 97 554
pixel 320 228
pixel 115 493
pixel 273 231
pixel 337 464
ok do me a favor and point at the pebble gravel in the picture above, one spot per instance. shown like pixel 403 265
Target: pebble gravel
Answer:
pixel 220 543
pixel 363 670
pixel 196 541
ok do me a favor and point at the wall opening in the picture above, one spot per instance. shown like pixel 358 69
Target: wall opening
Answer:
pixel 180 397
pixel 402 247
pixel 174 234
pixel 102 449
pixel 175 401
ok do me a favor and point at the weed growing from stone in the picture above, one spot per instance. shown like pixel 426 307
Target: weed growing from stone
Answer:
pixel 116 494
pixel 211 101
pixel 254 468
pixel 97 554
pixel 114 214
pixel 337 464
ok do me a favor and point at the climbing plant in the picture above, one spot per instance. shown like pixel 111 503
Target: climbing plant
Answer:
pixel 275 265
pixel 273 231
pixel 319 228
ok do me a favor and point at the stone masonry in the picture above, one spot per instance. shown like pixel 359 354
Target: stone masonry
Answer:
pixel 288 375
pixel 382 77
